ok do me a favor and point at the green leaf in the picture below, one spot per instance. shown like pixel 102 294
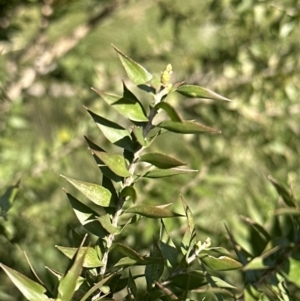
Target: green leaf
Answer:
pixel 95 193
pixel 287 211
pixel 107 225
pixel 222 263
pixel 130 108
pixel 186 127
pixel 91 259
pixel 137 73
pixel 152 211
pixel 82 211
pixel 139 136
pixel 31 290
pixel 116 163
pixel 160 173
pixel 7 199
pixel 154 271
pixel 199 92
pixel 189 281
pixel 131 286
pixel 113 132
pixel 172 113
pixel 281 190
pixel 189 216
pixel 69 282
pixel 129 191
pixel 221 283
pixel 95 227
pixel 161 160
pixel 127 251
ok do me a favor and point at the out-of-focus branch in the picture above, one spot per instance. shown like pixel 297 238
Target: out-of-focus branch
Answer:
pixel 42 56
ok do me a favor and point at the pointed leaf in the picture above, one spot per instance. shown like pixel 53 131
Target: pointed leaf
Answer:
pixel 115 163
pixel 7 199
pixel 30 289
pixel 139 136
pixel 152 211
pixel 161 160
pixel 113 132
pixel 91 259
pixel 160 173
pixel 127 107
pixel 95 193
pixel 172 113
pixel 186 127
pixel 127 251
pixel 189 281
pixel 129 191
pixel 281 190
pixel 82 211
pixel 222 263
pixel 69 283
pixel 131 286
pixel 107 225
pixel 137 73
pixel 199 92
pixel 154 271
pixel 189 216
pixel 95 227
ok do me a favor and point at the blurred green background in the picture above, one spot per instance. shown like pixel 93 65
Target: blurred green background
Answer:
pixel 53 51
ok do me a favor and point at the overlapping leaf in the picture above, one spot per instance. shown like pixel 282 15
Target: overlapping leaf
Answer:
pixel 161 160
pixel 95 193
pixel 161 173
pixel 222 263
pixel 137 73
pixel 152 211
pixel 186 127
pixel 194 91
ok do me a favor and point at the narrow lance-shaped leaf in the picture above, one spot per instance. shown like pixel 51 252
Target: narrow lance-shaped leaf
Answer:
pixel 116 163
pixel 154 271
pixel 222 263
pixel 152 211
pixel 281 190
pixel 113 131
pixel 186 127
pixel 7 199
pixel 172 113
pixel 194 91
pixel 137 73
pixel 127 251
pixel 69 282
pixel 161 160
pixel 91 259
pixel 161 173
pixel 31 290
pixel 96 193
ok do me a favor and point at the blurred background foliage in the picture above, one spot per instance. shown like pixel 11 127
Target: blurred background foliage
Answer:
pixel 53 51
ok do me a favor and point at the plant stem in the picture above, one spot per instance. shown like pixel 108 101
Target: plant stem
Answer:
pixel 128 181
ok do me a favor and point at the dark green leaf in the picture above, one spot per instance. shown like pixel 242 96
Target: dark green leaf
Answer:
pixel 161 160
pixel 189 281
pixel 95 193
pixel 82 211
pixel 137 73
pixel 139 136
pixel 152 211
pixel 91 259
pixel 113 132
pixel 186 127
pixel 127 251
pixel 115 163
pixel 222 263
pixel 31 290
pixel 172 113
pixel 131 286
pixel 199 92
pixel 95 227
pixel 160 173
pixel 7 199
pixel 154 271
pixel 281 190
pixel 129 191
